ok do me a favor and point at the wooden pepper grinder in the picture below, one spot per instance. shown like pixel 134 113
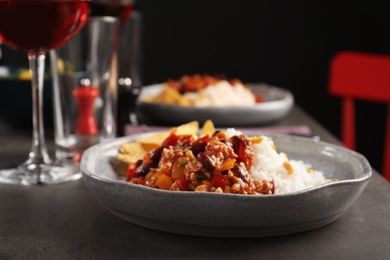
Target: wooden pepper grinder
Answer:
pixel 85 98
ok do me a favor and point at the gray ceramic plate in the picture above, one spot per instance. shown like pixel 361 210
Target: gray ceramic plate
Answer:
pixel 232 215
pixel 278 103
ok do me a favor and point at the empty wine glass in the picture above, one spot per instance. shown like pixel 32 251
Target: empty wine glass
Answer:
pixel 37 26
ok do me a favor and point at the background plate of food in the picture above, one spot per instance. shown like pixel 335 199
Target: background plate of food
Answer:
pixel 227 102
pixel 224 183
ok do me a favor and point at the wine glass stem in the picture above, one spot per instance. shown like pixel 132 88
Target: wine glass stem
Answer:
pixel 38 155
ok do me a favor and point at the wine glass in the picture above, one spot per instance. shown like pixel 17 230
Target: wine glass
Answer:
pixel 117 8
pixel 37 26
pixel 129 49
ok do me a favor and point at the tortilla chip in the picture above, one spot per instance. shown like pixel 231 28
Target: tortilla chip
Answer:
pixel 190 128
pixel 153 141
pixel 127 158
pixel 169 95
pixel 208 128
pixel 131 153
pixel 133 149
pixel 149 146
pixel 172 96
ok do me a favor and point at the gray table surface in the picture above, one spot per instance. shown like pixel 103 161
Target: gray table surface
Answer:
pixel 66 222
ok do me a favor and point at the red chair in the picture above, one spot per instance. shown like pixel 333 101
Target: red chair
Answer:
pixel 363 76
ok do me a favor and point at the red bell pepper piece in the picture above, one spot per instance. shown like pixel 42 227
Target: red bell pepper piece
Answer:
pixel 219 181
pixel 185 139
pixel 203 139
pixel 259 99
pixel 182 184
pixel 141 180
pixel 131 169
pixel 170 140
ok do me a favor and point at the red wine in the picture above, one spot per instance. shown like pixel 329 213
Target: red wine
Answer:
pixel 120 9
pixel 40 25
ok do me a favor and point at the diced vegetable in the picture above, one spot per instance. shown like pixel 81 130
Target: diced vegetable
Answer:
pixel 177 171
pixel 131 171
pixel 190 155
pixel 157 175
pixel 227 165
pixel 149 176
pixel 219 181
pixel 171 140
pixel 201 176
pixel 182 184
pixel 182 161
pixel 141 180
pixel 204 139
pixel 164 182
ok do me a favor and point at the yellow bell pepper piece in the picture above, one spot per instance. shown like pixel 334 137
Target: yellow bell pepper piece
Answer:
pixel 164 182
pixel 227 165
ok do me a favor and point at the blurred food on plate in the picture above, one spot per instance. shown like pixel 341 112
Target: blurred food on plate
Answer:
pixel 202 90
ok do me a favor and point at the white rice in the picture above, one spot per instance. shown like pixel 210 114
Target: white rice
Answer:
pixel 269 164
pixel 233 95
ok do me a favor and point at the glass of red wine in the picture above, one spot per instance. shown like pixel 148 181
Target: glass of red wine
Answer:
pixel 37 26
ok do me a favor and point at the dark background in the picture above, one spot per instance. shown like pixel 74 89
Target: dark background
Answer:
pixel 283 43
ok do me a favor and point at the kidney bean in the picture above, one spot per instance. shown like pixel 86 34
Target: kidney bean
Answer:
pixel 144 169
pixel 240 172
pixel 155 155
pixel 139 163
pixel 206 161
pixel 198 147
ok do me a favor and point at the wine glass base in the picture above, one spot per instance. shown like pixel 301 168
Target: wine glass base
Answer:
pixel 40 174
